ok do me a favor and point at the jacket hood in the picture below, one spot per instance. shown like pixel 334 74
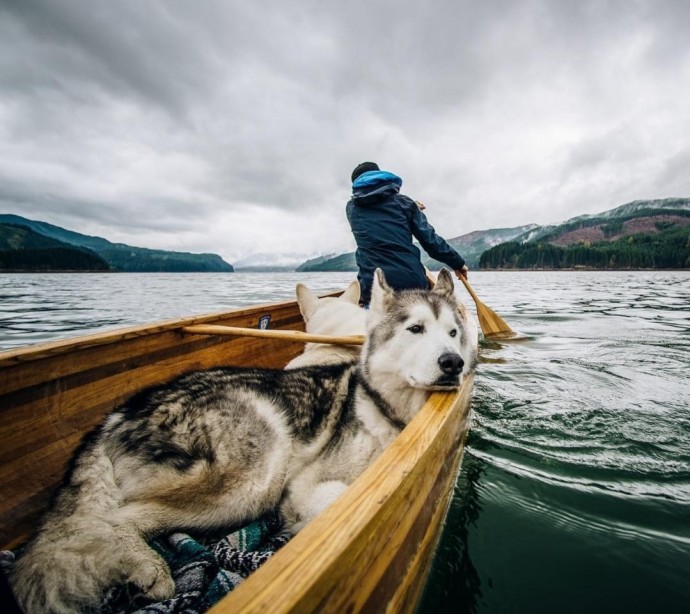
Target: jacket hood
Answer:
pixel 371 186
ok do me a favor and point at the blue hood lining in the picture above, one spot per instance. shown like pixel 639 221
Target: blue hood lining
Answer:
pixel 372 178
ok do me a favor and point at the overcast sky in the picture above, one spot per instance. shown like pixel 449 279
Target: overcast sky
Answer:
pixel 233 126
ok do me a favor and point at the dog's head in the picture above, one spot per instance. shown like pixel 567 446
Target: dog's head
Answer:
pixel 419 338
pixel 332 315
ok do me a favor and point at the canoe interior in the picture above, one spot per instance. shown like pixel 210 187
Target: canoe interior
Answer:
pixel 52 394
pixel 369 551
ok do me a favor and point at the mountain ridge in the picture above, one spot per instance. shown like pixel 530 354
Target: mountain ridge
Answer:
pixel 22 249
pixel 641 234
pixel 123 257
pixel 631 209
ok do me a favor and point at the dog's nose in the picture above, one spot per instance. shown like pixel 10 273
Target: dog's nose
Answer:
pixel 451 363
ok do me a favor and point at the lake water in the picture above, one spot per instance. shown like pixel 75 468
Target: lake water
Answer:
pixel 574 494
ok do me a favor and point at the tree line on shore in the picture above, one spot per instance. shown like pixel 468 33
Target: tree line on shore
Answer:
pixel 667 249
pixel 51 259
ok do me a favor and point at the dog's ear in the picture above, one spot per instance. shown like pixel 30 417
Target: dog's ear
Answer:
pixel 352 293
pixel 307 300
pixel 381 292
pixel 444 283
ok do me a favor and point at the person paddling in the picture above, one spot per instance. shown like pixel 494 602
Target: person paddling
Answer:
pixel 384 223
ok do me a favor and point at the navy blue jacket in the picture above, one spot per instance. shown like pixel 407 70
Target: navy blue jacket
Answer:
pixel 384 222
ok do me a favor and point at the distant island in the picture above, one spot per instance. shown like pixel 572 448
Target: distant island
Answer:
pixel 30 245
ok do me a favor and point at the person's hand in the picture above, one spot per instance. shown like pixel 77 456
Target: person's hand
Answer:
pixel 462 272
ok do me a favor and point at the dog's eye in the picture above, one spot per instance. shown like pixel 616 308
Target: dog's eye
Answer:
pixel 454 333
pixel 415 329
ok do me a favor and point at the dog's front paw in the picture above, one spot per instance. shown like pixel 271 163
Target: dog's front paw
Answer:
pixel 155 581
pixel 296 527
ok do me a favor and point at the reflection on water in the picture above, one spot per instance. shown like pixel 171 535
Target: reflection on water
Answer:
pixel 574 494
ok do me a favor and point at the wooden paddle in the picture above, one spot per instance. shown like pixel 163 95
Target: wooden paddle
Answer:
pixel 489 321
pixel 288 335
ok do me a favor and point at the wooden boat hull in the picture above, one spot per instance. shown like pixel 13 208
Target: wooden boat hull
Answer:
pixel 371 550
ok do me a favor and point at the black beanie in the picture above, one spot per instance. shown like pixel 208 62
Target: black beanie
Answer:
pixel 363 168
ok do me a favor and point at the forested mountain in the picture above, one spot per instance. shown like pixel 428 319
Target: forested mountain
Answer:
pixel 121 257
pixel 472 245
pixel 635 209
pixel 22 249
pixel 641 234
pixel 343 262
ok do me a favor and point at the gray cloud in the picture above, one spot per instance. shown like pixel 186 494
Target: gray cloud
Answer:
pixel 232 127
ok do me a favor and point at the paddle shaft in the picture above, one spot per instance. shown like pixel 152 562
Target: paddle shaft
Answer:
pixel 288 335
pixel 469 288
pixel 489 321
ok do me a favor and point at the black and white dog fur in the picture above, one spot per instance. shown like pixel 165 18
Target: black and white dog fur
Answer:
pixel 221 447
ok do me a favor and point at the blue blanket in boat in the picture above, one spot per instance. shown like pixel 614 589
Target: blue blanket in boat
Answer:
pixel 204 570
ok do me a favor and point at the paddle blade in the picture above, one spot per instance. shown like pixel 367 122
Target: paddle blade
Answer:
pixel 489 321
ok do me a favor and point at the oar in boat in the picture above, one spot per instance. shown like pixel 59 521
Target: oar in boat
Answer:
pixel 489 321
pixel 286 335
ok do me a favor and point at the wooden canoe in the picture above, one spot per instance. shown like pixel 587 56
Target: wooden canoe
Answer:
pixel 370 551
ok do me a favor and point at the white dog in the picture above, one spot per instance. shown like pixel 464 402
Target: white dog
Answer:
pixel 341 316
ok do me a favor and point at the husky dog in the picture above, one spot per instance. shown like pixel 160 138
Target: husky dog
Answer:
pixel 330 316
pixel 221 447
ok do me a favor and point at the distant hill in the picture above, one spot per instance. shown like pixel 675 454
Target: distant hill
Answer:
pixel 123 257
pixel 469 246
pixel 640 234
pixel 624 213
pixel 343 262
pixel 22 249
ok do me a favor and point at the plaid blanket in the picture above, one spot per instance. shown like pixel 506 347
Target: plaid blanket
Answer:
pixel 204 569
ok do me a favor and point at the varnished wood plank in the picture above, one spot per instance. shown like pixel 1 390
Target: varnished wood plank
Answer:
pixel 53 348
pixel 50 417
pixel 50 361
pixel 408 586
pixel 28 489
pixel 103 366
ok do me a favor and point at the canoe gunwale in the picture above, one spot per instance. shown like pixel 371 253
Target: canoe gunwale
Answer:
pixel 40 351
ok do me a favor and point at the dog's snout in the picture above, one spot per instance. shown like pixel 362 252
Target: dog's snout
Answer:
pixel 451 363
